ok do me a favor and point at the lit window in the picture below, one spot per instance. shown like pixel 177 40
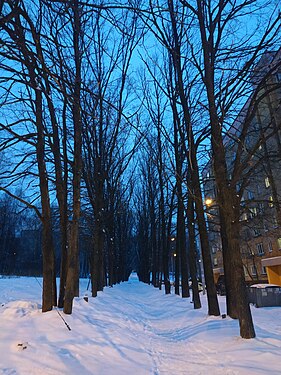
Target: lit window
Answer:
pixel 270 246
pixel 215 260
pixel 279 243
pixel 267 182
pixel 253 212
pixel 260 249
pixel 244 217
pixel 270 201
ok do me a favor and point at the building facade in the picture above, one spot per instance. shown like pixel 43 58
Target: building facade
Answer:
pixel 258 129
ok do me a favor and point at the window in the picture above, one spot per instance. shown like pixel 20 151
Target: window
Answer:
pixel 270 201
pixel 275 222
pixel 257 232
pixel 260 249
pixel 267 182
pixel 279 243
pixel 244 251
pixel 265 227
pixel 215 261
pixel 253 270
pixel 214 249
pixel 250 195
pixel 263 270
pixel 270 246
pixel 238 187
pixel 261 208
pixel 244 217
pixel 246 273
pixel 253 212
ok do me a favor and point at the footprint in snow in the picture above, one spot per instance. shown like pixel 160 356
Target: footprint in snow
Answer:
pixel 22 345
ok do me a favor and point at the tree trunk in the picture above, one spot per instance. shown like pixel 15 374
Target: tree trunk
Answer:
pixel 63 213
pixel 213 305
pixel 181 239
pixel 192 251
pixel 225 196
pixel 72 279
pixel 55 147
pixel 244 313
pixel 49 284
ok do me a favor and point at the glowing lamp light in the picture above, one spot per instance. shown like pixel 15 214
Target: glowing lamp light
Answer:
pixel 208 201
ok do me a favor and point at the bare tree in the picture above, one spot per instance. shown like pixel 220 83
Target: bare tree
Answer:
pixel 224 69
pixel 26 57
pixel 171 32
pixel 106 130
pixel 72 279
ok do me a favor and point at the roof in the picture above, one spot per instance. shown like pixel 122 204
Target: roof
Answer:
pixel 272 261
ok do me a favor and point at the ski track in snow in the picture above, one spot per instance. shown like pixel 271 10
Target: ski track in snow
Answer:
pixel 131 328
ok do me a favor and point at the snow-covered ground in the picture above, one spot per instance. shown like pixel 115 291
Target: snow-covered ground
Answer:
pixel 131 328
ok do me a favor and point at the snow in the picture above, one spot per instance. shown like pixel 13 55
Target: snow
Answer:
pixel 131 328
pixel 263 286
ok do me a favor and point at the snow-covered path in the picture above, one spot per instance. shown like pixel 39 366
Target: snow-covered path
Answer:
pixel 131 328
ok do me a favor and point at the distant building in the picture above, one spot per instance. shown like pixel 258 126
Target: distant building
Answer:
pixel 260 180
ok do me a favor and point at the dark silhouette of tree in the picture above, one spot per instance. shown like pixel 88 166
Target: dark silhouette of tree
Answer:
pixel 224 71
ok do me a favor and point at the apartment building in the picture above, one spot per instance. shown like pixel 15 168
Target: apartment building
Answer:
pixel 259 185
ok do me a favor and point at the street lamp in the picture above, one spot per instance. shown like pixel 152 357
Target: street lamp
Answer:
pixel 208 201
pixel 173 255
